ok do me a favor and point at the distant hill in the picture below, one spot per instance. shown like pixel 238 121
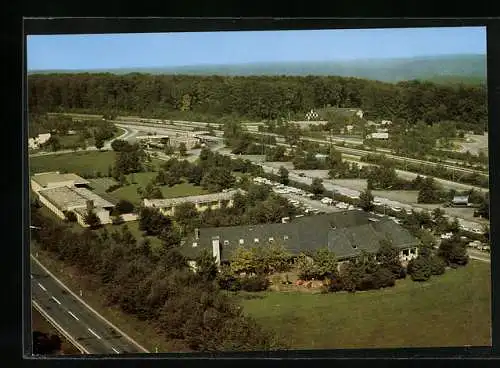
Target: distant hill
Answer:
pixel 440 69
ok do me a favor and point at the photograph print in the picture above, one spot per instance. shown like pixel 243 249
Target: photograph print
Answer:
pixel 258 191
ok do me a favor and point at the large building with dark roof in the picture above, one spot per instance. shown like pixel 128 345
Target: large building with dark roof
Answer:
pixel 347 234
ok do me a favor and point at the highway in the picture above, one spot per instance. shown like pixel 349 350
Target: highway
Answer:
pixel 479 256
pixel 151 126
pixel 385 152
pixel 293 173
pixel 128 134
pixel 84 328
pixel 138 121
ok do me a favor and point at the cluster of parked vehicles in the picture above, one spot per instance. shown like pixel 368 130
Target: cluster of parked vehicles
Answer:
pixel 476 244
pixel 281 188
pixel 284 189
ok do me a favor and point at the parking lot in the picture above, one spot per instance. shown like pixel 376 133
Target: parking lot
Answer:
pixel 302 199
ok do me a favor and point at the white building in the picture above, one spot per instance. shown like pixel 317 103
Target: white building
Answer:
pixel 201 202
pixel 62 193
pixel 63 199
pixel 34 143
pixel 378 135
pixel 55 179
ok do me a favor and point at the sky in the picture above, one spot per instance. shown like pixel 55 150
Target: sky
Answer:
pixel 105 51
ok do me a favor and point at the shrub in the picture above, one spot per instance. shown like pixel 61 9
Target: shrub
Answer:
pixel 438 265
pixel 383 278
pixel 419 269
pixel 113 188
pixel 366 283
pixel 124 206
pixel 254 283
pixel 70 216
pixel 336 285
pixel 227 281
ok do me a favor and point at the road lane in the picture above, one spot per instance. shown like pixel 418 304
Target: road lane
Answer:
pixel 478 255
pixel 76 328
pixel 73 331
pixel 90 330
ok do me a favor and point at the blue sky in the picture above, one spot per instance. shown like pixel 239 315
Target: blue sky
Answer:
pixel 178 49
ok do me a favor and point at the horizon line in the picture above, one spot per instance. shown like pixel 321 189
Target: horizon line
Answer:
pixel 260 62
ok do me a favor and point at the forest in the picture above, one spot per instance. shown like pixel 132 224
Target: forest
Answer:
pixel 257 98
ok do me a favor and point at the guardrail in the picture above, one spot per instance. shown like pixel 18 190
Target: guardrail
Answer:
pixel 61 330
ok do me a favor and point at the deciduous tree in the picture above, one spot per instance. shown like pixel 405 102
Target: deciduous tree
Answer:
pixel 91 219
pixel 283 174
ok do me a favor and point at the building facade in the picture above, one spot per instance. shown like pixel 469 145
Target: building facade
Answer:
pixel 202 202
pixel 63 193
pixel 347 234
pixel 35 142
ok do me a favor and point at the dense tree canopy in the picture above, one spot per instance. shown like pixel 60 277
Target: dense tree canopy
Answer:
pixel 154 286
pixel 255 97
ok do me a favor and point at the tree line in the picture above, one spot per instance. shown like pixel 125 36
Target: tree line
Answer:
pixel 255 97
pixel 419 140
pixel 60 126
pixel 158 287
pixel 435 171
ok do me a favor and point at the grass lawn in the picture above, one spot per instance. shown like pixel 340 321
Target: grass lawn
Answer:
pixel 76 162
pixel 129 192
pixel 99 186
pixel 67 141
pixel 448 310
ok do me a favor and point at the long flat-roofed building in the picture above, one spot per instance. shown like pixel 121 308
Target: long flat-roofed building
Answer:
pixel 78 200
pixel 55 179
pixel 201 202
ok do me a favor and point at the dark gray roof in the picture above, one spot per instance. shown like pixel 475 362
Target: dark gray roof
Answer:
pixel 340 232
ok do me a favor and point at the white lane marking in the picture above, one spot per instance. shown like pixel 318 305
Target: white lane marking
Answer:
pixel 116 351
pixel 57 301
pixel 72 315
pixel 93 333
pixel 42 287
